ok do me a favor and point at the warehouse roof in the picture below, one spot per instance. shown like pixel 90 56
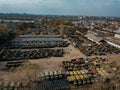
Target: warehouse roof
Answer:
pixel 114 40
pixel 38 39
pixel 39 36
pixel 93 38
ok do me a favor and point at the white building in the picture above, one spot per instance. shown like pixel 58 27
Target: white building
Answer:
pixel 117 35
pixel 91 36
pixel 113 44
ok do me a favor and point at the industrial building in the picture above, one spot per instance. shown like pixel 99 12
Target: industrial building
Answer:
pixel 117 35
pixel 93 38
pixel 37 41
pixel 39 36
pixel 114 42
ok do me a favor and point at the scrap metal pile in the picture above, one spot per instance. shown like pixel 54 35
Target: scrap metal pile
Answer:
pixel 10 85
pixel 48 76
pixel 37 41
pixel 13 64
pixel 104 68
pixel 79 72
pixel 90 48
pixel 95 49
pixel 76 39
pixel 34 47
pixel 20 54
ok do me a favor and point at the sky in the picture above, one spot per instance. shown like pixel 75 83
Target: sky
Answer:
pixel 62 7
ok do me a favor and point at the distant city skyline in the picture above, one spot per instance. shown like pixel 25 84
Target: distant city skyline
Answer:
pixel 62 7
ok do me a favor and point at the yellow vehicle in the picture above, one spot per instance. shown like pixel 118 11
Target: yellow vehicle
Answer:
pixel 86 71
pixel 82 71
pixel 101 73
pixel 71 79
pixel 56 74
pixel 38 75
pixel 41 74
pixel 75 72
pixel 51 73
pixel 46 75
pixel 71 73
pixel 79 73
pixel 70 68
pixel 77 77
pixel 86 76
pixel 81 76
pixel 60 74
pixel 80 81
pixel 105 73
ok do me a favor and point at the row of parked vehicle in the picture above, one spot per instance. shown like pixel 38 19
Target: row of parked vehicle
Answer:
pixel 79 71
pixel 95 49
pixel 6 85
pixel 23 54
pixel 90 48
pixel 76 64
pixel 38 45
pixel 49 75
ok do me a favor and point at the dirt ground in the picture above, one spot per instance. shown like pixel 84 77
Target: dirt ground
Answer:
pixel 24 72
pixel 114 58
pixel 54 63
pixel 114 63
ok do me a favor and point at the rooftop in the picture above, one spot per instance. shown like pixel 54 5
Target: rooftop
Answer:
pixel 93 37
pixel 114 40
pixel 39 36
pixel 38 39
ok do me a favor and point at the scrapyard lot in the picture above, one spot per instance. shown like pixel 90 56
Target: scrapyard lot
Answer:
pixel 106 69
pixel 29 68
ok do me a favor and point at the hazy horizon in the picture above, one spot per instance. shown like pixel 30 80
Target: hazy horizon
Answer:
pixel 62 7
